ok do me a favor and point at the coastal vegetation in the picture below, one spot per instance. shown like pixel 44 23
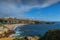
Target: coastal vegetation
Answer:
pixel 53 34
pixel 1 25
pixel 22 21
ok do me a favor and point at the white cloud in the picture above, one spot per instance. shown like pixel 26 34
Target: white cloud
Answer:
pixel 20 6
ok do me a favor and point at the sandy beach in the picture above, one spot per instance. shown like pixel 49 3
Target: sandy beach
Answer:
pixel 11 26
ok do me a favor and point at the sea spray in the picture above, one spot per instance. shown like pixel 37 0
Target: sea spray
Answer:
pixel 18 33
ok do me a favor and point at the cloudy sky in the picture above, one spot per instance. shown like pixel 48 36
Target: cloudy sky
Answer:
pixel 46 10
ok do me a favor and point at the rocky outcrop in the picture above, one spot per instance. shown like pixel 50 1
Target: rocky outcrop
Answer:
pixel 52 35
pixel 33 38
pixel 5 32
pixel 27 38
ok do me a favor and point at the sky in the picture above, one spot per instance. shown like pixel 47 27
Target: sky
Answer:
pixel 44 10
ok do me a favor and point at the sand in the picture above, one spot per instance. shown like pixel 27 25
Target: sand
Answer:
pixel 11 26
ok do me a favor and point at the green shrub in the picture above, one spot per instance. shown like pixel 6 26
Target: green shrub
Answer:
pixel 52 35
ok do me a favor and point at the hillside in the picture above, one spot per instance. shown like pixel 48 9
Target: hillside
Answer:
pixel 22 21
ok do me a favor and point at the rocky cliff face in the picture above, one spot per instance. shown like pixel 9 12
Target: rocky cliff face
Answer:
pixel 5 32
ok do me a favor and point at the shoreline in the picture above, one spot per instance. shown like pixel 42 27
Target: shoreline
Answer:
pixel 11 26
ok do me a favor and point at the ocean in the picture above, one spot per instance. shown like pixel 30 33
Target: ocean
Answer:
pixel 34 29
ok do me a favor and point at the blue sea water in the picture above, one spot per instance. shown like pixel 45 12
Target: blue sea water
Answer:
pixel 34 29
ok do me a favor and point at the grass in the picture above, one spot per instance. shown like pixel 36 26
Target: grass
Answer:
pixel 1 25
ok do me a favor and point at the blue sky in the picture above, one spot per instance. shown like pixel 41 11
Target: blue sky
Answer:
pixel 51 13
pixel 44 10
